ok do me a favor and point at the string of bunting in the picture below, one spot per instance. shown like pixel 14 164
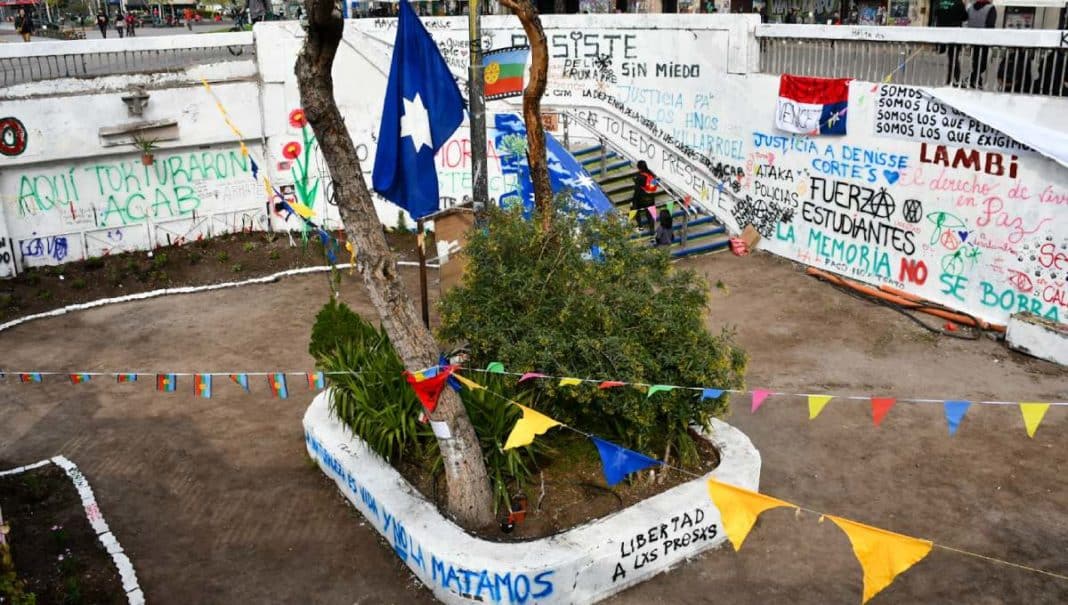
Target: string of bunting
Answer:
pixel 167 382
pixel 331 244
pixel 883 555
pixel 954 409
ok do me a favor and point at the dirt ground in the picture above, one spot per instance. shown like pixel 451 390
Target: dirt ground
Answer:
pixel 54 548
pixel 215 500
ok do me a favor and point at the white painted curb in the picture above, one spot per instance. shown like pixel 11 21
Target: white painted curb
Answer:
pixel 96 519
pixel 184 290
pixel 582 565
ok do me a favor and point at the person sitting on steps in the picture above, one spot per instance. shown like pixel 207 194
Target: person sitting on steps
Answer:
pixel 664 233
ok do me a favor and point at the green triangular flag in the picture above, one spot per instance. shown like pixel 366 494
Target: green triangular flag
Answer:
pixel 496 367
pixel 656 388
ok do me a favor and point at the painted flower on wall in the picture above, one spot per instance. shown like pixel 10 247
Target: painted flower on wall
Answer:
pixel 291 150
pixel 297 119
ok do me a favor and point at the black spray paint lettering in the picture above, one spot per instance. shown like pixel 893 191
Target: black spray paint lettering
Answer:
pixel 576 44
pixel 878 204
pixel 676 534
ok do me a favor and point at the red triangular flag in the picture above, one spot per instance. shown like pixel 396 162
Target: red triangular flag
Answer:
pixel 879 407
pixel 607 384
pixel 759 395
pixel 428 389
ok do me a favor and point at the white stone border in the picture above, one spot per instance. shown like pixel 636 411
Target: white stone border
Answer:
pixel 92 512
pixel 184 290
pixel 581 565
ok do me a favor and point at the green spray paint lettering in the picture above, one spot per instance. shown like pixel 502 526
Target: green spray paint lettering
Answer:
pixel 127 192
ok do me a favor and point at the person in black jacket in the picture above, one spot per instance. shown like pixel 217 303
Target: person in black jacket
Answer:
pixel 950 13
pixel 644 194
pixel 24 24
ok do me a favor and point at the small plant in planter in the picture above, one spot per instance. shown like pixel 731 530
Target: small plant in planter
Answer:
pixel 146 146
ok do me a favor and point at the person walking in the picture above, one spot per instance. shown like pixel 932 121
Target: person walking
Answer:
pixel 120 24
pixel 645 189
pixel 950 13
pixel 24 24
pixel 102 23
pixel 982 15
pixel 130 22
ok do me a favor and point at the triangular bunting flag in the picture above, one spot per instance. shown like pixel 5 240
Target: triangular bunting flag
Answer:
pixel 79 378
pixel 530 376
pixel 739 509
pixel 652 211
pixel 671 206
pixel 429 389
pixel 759 395
pixel 202 386
pixel 659 388
pixel 566 382
pixel 618 462
pixel 495 367
pixel 711 393
pixel 879 407
pixel 609 384
pixel 240 380
pixel 631 214
pixel 882 554
pixel 955 413
pixel 816 404
pixel 1032 415
pixel 467 382
pixel 532 423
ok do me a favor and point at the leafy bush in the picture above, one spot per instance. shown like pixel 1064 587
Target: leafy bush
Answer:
pixel 12 589
pixel 159 260
pixel 535 302
pixel 372 397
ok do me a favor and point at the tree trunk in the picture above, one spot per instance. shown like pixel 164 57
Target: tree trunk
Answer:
pixel 470 500
pixel 539 69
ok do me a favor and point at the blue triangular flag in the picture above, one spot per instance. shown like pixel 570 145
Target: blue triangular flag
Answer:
pixel 955 411
pixel 618 462
pixel 451 381
pixel 711 393
pixel 422 109
pixel 255 168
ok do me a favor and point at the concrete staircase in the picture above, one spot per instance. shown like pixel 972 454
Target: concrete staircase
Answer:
pixel 703 234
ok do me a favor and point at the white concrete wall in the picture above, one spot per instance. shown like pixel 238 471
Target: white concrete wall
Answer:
pixel 955 214
pixel 581 565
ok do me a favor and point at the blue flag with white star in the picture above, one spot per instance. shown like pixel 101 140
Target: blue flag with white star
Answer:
pixel 423 108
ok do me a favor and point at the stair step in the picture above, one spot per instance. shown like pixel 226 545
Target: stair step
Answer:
pixel 597 158
pixel 701 222
pixel 609 168
pixel 717 246
pixel 585 150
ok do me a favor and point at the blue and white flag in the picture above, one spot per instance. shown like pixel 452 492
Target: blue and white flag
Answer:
pixel 423 108
pixel 565 172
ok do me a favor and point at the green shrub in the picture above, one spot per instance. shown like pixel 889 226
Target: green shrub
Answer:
pixel 373 398
pixel 222 256
pixel 237 268
pixel 195 257
pixel 12 589
pixel 533 302
pixel 249 246
pixel 274 255
pixel 44 294
pixel 159 260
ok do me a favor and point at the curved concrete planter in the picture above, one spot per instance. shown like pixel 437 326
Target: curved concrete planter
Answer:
pixel 582 565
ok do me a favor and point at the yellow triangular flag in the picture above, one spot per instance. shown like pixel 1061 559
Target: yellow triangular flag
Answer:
pixel 739 509
pixel 532 423
pixel 566 382
pixel 467 382
pixel 816 403
pixel 301 209
pixel 631 214
pixel 882 554
pixel 1033 413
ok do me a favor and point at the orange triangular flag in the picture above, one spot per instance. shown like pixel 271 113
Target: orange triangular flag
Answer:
pixel 882 554
pixel 879 407
pixel 739 509
pixel 1032 414
pixel 816 404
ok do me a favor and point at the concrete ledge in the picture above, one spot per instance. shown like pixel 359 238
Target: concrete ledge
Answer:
pixel 1042 338
pixel 582 565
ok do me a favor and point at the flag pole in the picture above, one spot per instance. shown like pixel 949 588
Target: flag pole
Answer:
pixel 477 107
pixel 419 243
